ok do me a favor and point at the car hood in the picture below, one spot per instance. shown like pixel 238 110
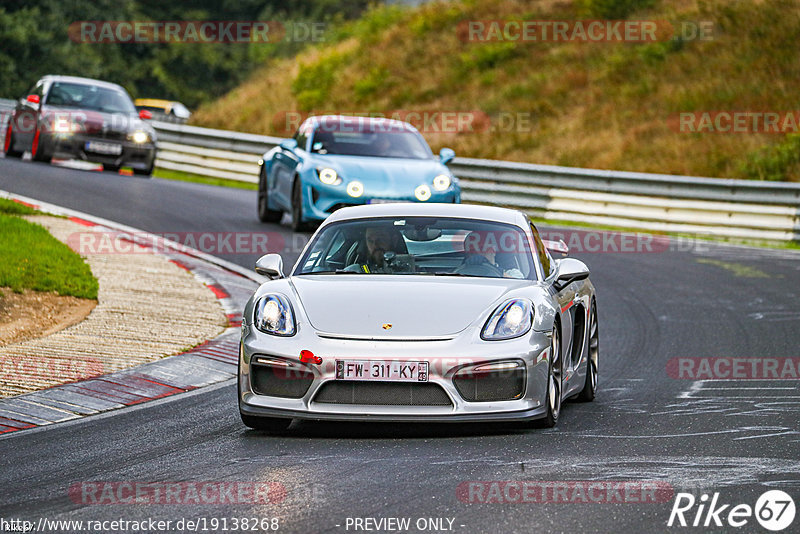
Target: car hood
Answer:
pixel 382 171
pixel 359 306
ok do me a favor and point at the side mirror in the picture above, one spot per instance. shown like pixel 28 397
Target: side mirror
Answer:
pixel 289 144
pixel 570 270
pixel 33 99
pixel 270 265
pixel 446 155
pixel 145 115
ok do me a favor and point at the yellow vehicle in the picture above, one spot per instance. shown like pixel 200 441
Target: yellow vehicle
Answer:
pixel 164 110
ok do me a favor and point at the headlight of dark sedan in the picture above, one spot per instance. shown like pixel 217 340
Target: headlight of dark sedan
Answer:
pixel 63 126
pixel 512 319
pixel 273 315
pixel 139 136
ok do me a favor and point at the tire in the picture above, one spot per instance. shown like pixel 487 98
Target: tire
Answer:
pixel 267 424
pixel 298 225
pixel 265 214
pixel 8 144
pixel 554 383
pixel 145 172
pixel 111 168
pixel 589 390
pixel 39 150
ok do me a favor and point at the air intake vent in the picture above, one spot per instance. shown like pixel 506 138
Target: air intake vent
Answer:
pixel 487 386
pixel 382 394
pixel 280 381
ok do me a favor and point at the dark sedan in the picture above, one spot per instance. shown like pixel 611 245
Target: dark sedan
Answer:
pixel 81 118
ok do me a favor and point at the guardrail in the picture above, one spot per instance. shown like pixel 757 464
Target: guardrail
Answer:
pixel 658 203
pixel 741 209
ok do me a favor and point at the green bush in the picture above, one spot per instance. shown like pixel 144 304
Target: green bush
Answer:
pixel 371 83
pixel 775 162
pixel 314 81
pixel 488 55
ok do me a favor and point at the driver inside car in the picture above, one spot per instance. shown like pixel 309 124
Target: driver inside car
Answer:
pixel 370 255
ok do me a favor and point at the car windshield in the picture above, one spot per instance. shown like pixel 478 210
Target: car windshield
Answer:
pixel 420 246
pixel 388 142
pixel 89 97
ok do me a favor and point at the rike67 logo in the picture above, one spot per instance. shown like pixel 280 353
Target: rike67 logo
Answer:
pixel 774 510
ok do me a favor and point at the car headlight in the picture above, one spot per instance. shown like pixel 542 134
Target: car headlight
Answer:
pixel 273 315
pixel 355 189
pixel 139 137
pixel 441 182
pixel 422 193
pixel 512 319
pixel 328 176
pixel 65 126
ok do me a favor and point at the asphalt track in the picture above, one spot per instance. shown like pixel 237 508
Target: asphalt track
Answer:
pixel 738 438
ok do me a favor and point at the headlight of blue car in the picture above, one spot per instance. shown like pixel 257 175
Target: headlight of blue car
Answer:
pixel 273 315
pixel 441 182
pixel 512 319
pixel 328 176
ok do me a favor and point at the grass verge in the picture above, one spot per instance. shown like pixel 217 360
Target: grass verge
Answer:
pixel 14 208
pixel 34 259
pixel 200 179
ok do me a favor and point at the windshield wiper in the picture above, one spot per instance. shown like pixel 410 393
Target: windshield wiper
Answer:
pixel 337 271
pixel 441 273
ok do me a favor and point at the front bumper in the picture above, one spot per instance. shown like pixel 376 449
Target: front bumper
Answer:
pixel 320 200
pixel 139 156
pixel 445 357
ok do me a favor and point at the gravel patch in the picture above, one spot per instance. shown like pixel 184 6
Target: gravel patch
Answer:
pixel 148 308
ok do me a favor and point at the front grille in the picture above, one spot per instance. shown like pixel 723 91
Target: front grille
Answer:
pixel 275 381
pixel 382 394
pixel 501 385
pixel 108 135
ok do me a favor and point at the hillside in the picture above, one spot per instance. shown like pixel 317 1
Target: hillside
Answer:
pixel 609 105
pixel 39 37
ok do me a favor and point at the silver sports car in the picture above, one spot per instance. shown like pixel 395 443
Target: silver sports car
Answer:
pixel 416 312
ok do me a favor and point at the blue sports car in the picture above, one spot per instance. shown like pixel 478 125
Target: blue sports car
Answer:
pixel 335 161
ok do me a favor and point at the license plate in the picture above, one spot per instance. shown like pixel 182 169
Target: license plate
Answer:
pixel 385 201
pixel 384 370
pixel 103 148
